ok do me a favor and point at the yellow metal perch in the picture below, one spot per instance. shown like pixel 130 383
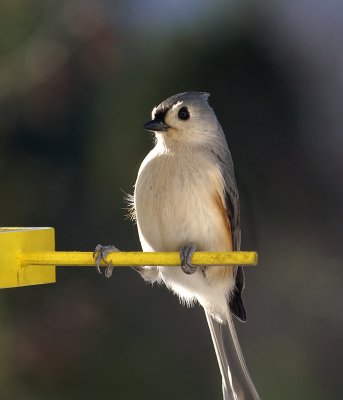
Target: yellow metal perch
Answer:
pixel 133 258
pixel 28 257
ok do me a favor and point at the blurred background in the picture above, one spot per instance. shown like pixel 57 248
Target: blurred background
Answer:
pixel 78 79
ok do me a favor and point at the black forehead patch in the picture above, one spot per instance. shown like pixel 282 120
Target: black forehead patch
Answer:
pixel 167 104
pixel 160 115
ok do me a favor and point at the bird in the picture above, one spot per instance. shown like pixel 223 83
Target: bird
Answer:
pixel 186 199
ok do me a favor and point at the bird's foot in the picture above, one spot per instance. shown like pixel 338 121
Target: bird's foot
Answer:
pixel 186 253
pixel 100 253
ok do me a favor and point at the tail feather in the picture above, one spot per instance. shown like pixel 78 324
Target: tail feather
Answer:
pixel 237 383
pixel 237 307
pixel 236 301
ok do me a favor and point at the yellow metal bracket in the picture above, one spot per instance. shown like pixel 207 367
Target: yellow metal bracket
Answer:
pixel 28 257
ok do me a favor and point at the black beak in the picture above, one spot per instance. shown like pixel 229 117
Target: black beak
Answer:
pixel 156 126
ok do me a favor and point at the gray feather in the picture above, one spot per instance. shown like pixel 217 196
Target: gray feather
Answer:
pixel 223 156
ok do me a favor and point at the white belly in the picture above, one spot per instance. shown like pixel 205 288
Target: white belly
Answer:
pixel 175 208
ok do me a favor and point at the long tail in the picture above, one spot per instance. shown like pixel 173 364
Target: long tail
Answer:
pixel 237 383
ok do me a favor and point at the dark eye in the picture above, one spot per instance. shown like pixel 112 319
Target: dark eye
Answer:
pixel 183 114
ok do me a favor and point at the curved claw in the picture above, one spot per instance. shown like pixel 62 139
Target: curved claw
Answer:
pixel 108 270
pixel 100 253
pixel 186 253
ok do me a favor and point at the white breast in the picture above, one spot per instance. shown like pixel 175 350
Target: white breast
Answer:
pixel 175 202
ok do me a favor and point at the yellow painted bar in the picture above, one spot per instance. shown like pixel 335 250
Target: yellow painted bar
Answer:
pixel 123 259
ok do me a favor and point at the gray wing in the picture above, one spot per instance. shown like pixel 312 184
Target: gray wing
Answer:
pixel 224 159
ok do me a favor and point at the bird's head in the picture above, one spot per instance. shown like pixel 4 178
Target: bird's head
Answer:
pixel 185 119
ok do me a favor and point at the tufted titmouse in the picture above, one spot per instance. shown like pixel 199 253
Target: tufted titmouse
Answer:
pixel 186 199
